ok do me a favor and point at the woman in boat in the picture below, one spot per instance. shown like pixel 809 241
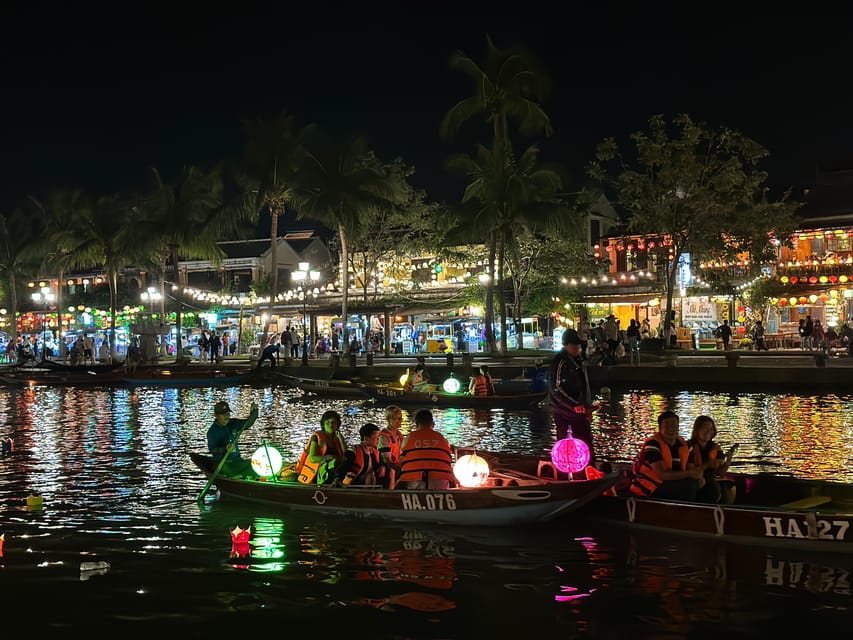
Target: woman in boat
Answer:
pixel 391 442
pixel 481 383
pixel 708 455
pixel 323 452
pixel 664 468
pixel 416 381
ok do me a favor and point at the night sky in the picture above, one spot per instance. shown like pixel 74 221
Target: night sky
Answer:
pixel 93 100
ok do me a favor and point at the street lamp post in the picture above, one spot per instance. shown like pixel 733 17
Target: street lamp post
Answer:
pixel 152 296
pixel 302 276
pixel 44 296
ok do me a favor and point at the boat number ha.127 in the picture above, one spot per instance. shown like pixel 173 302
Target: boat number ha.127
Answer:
pixel 775 527
pixel 428 502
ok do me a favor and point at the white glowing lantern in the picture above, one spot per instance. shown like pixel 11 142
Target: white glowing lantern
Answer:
pixel 570 455
pixel 471 470
pixel 404 377
pixel 266 461
pixel 452 385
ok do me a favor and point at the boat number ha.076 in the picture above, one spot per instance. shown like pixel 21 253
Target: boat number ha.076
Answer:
pixel 428 502
pixel 775 527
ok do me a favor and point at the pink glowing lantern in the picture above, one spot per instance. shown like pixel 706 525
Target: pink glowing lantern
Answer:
pixel 570 455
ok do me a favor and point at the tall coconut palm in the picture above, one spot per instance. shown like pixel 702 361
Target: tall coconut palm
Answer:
pixel 509 195
pixel 338 184
pixel 273 152
pixel 511 85
pixel 189 218
pixel 20 252
pixel 103 233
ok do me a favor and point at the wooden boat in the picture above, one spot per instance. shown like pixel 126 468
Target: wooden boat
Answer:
pixel 327 388
pixel 510 498
pixel 67 376
pixel 502 399
pixel 770 510
pixel 183 376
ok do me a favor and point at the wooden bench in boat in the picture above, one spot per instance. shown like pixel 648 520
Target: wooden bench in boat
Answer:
pixel 807 503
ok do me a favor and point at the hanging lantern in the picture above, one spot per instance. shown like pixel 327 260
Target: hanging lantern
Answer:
pixel 266 461
pixel 823 279
pixel 774 301
pixel 570 455
pixel 783 302
pixel 741 309
pixel 471 470
pixel 794 279
pixel 833 279
pixel 823 297
pixel 803 299
pixel 813 280
pixel 842 279
pixel 452 384
pixel 813 298
pixel 741 330
pixel 784 279
pixel 792 301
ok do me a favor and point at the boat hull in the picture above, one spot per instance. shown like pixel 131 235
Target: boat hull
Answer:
pixel 505 505
pixel 390 394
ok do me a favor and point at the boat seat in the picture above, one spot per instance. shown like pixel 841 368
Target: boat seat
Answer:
pixel 807 503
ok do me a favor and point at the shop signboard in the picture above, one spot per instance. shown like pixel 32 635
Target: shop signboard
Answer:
pixel 694 310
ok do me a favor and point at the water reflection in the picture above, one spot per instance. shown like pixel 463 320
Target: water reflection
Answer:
pixel 118 487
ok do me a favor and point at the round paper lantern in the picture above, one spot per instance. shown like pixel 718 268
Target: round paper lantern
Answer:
pixel 803 299
pixel 783 302
pixel 842 279
pixel 741 309
pixel 823 297
pixel 813 280
pixel 823 279
pixel 812 298
pixel 570 455
pixel 471 470
pixel 784 279
pixel 792 300
pixel 833 279
pixel 794 279
pixel 741 330
pixel 266 461
pixel 741 319
pixel 451 385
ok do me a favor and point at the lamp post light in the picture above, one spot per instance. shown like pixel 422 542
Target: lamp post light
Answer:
pixel 302 276
pixel 44 296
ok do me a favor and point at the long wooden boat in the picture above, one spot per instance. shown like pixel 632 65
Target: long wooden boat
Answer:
pixel 768 510
pixel 327 388
pixel 183 377
pixel 502 399
pixel 95 375
pixel 511 498
pixel 773 510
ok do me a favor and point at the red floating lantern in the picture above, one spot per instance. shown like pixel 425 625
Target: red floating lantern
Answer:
pixel 240 542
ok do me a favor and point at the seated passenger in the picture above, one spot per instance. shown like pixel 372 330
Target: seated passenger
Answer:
pixel 425 458
pixel 663 469
pixel 708 456
pixel 481 383
pixel 323 452
pixel 416 380
pixel 361 463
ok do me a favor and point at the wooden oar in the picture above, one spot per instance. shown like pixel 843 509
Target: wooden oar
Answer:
pixel 216 471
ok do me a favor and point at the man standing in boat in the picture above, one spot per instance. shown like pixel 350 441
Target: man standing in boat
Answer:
pixel 223 433
pixel 569 393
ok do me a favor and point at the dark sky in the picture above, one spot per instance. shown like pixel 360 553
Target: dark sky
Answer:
pixel 95 99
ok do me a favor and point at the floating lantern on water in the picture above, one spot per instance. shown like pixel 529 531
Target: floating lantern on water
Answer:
pixel 266 461
pixel 240 542
pixel 471 470
pixel 570 455
pixel 452 384
pixel 34 502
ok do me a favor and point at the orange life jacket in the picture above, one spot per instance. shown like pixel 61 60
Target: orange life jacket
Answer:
pixel 306 471
pixel 483 385
pixel 645 479
pixel 697 454
pixel 390 444
pixel 425 454
pixel 364 466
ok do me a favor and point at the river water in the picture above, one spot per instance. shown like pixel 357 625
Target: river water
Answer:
pixel 118 488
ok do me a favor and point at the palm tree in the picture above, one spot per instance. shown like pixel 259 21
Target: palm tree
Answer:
pixel 337 185
pixel 188 219
pixel 272 158
pixel 21 235
pixel 104 233
pixel 510 86
pixel 509 196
